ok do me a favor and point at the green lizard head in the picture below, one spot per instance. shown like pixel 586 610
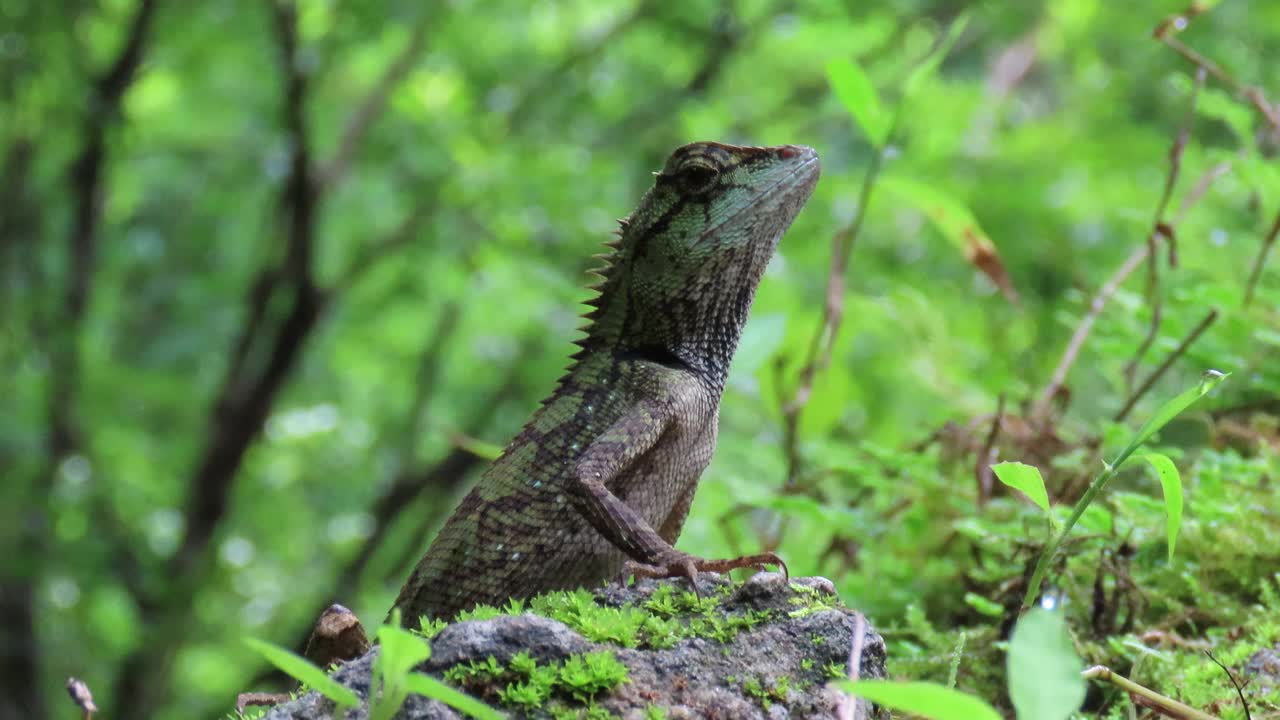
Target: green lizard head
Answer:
pixel 685 268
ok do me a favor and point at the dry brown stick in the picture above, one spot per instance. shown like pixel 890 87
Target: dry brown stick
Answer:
pixel 987 456
pixel 1169 27
pixel 1040 413
pixel 1168 362
pixel 1261 260
pixel 1201 187
pixel 81 696
pixel 849 703
pixel 1160 228
pixel 1254 95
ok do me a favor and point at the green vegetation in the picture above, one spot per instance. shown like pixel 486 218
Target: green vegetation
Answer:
pixel 557 688
pixel 276 279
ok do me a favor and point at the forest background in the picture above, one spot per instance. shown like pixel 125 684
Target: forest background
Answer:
pixel 275 280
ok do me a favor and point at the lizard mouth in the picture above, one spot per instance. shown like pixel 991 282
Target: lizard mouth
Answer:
pixel 810 164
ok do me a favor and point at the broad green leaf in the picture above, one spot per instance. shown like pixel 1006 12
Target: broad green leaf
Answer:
pixel 854 90
pixel 1025 478
pixel 302 670
pixel 401 649
pixel 957 224
pixel 427 686
pixel 933 60
pixel 921 698
pixel 1171 483
pixel 1043 668
pixel 1172 408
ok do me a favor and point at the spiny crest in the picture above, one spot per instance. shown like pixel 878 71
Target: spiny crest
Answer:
pixel 601 274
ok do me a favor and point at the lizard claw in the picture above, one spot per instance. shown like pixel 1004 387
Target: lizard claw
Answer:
pixel 678 564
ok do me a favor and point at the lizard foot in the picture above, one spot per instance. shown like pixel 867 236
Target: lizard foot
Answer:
pixel 678 564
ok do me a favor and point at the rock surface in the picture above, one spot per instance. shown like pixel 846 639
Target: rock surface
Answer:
pixel 801 635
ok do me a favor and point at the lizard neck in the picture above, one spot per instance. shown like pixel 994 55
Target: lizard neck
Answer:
pixel 699 329
pixel 683 271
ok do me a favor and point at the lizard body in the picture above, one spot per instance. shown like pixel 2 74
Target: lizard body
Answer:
pixel 605 471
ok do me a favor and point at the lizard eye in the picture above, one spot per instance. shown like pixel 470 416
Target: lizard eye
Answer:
pixel 697 178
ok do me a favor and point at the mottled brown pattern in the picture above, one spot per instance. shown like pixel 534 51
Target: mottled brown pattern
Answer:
pixel 616 451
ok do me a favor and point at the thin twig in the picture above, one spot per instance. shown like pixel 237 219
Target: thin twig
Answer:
pixel 987 456
pixel 1261 259
pixel 849 704
pixel 1254 95
pixel 1159 229
pixel 1166 705
pixel 1168 362
pixel 1231 676
pixel 1041 411
pixel 1201 187
pixel 365 114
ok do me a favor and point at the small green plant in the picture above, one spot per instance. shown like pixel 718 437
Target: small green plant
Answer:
pixel 583 676
pixel 1031 482
pixel 305 672
pixel 429 628
pixel 392 681
pixel 480 612
pixel 767 693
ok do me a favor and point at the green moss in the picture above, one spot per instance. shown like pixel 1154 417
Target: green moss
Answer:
pixel 663 619
pixel 525 684
pixel 767 693
pixel 429 628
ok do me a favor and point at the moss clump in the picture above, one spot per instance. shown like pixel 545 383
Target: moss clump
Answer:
pixel 562 689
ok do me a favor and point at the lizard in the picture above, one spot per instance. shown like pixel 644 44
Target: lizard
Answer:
pixel 601 478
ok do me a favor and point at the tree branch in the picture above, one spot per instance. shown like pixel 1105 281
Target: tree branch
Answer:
pixel 19 650
pixel 359 122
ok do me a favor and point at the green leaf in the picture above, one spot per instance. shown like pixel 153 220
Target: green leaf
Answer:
pixel 1171 482
pixel 933 60
pixel 957 224
pixel 1043 668
pixel 921 698
pixel 401 649
pixel 302 670
pixel 427 686
pixel 1025 478
pixel 1172 408
pixel 854 90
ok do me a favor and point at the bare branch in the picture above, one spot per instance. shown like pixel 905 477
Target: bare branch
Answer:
pixel 245 401
pixel 1261 259
pixel 20 663
pixel 370 108
pixel 987 455
pixel 1159 229
pixel 1164 366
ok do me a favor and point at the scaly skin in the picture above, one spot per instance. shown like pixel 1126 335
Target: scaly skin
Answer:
pixel 605 471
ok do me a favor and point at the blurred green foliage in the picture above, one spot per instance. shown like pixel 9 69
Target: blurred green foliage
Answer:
pixel 462 161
